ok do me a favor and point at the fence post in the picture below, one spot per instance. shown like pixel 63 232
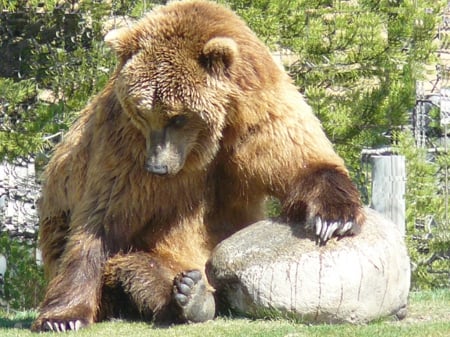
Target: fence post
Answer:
pixel 2 279
pixel 388 188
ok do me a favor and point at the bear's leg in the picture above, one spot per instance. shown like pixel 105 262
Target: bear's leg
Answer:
pixel 155 290
pixel 141 281
pixel 72 298
pixel 53 231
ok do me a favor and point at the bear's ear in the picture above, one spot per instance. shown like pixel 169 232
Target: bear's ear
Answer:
pixel 218 54
pixel 120 40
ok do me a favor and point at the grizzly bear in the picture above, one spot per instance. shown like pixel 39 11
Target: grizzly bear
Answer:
pixel 196 127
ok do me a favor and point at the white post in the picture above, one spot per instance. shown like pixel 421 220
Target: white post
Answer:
pixel 388 188
pixel 2 265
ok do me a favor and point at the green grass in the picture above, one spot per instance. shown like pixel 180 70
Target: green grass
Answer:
pixel 429 316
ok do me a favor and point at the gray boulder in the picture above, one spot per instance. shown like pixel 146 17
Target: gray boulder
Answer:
pixel 272 267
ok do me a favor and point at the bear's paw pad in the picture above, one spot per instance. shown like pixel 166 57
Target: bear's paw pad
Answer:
pixel 190 293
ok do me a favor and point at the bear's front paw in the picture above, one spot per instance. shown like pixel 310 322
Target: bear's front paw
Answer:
pixel 63 318
pixel 58 324
pixel 196 302
pixel 326 229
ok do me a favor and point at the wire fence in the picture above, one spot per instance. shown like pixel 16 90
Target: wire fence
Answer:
pixel 19 192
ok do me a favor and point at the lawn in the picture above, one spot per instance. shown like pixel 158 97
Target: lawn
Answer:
pixel 429 316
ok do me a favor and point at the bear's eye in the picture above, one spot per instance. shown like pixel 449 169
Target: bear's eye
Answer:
pixel 178 121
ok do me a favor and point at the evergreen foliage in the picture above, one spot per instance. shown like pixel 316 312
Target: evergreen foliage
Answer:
pixel 54 60
pixel 23 281
pixel 357 62
pixel 428 233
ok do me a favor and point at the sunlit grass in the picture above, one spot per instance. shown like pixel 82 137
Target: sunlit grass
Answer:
pixel 428 316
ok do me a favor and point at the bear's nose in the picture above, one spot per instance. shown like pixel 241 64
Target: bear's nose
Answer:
pixel 157 169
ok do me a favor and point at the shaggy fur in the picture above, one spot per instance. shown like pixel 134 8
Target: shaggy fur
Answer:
pixel 196 127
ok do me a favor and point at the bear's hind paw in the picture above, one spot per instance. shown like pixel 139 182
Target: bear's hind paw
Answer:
pixel 196 302
pixel 326 229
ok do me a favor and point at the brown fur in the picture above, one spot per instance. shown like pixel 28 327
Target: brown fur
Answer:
pixel 198 96
pixel 137 285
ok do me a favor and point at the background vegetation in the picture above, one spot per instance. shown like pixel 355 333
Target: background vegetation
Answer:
pixel 356 62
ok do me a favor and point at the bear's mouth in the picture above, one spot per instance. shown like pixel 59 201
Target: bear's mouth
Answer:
pixel 158 169
pixel 164 166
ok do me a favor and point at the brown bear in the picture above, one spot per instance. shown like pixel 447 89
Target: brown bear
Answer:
pixel 196 127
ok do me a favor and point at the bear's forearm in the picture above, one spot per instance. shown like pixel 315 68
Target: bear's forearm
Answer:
pixel 73 294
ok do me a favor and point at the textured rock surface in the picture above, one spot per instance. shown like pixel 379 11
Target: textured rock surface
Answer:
pixel 271 266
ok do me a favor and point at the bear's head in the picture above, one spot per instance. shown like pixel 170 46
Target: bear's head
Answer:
pixel 182 69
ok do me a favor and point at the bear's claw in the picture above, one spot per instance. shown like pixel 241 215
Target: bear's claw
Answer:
pixel 62 326
pixel 196 302
pixel 326 229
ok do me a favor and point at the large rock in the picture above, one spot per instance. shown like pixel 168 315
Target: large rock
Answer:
pixel 271 266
